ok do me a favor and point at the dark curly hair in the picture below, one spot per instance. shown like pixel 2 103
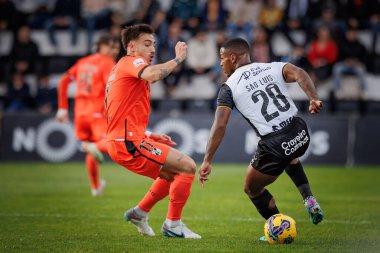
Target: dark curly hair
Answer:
pixel 133 32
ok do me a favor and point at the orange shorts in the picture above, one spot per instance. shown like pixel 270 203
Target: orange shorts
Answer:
pixel 144 157
pixel 90 128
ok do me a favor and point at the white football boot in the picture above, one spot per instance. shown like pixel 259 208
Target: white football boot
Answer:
pixel 140 223
pixel 180 231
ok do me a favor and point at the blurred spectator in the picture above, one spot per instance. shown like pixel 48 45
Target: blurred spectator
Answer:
pixel 65 14
pixel 24 56
pixel 243 18
pixel 115 30
pixel 352 60
pixel 46 98
pixel 216 74
pixel 123 11
pixel 149 12
pixel 146 11
pixel 202 54
pixel 188 12
pixel 322 55
pixel 18 96
pixel 26 8
pixel 331 14
pixel 167 51
pixel 94 13
pixel 160 25
pixel 298 57
pixel 365 14
pixel 41 14
pixel 213 15
pixel 270 16
pixel 8 15
pixel 261 50
pixel 296 18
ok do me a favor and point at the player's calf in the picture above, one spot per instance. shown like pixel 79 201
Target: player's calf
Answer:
pixel 265 204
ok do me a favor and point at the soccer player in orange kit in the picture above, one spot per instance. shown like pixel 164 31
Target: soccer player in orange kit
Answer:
pixel 90 74
pixel 142 152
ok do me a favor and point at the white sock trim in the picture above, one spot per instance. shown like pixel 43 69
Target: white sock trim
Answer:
pixel 172 223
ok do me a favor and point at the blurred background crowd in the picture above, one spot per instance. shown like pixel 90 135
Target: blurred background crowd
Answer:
pixel 336 42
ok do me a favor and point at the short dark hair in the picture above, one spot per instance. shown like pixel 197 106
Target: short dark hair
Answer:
pixel 237 45
pixel 133 32
pixel 106 40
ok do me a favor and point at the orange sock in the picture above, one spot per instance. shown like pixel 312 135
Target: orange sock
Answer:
pixel 179 192
pixel 93 171
pixel 158 191
pixel 102 145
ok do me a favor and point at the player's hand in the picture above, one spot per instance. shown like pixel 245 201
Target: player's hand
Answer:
pixel 203 173
pixel 315 106
pixel 181 50
pixel 62 115
pixel 163 138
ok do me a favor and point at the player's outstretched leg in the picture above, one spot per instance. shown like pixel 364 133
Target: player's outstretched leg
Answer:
pixel 183 167
pixel 179 193
pixel 138 215
pixel 255 184
pixel 97 186
pixel 296 172
pixel 264 202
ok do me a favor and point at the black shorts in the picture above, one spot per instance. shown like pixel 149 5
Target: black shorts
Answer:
pixel 276 150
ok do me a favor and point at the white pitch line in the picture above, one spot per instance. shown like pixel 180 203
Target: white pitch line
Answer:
pixel 242 219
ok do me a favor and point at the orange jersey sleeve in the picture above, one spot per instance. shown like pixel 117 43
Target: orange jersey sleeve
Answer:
pixel 63 86
pixel 127 100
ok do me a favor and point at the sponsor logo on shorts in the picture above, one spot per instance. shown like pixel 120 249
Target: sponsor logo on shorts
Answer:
pixel 156 151
pixel 150 148
pixel 294 144
pixel 138 62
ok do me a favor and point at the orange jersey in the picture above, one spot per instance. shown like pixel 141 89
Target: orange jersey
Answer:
pixel 91 74
pixel 127 100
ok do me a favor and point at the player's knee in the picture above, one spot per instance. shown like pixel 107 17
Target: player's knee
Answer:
pixel 190 166
pixel 252 191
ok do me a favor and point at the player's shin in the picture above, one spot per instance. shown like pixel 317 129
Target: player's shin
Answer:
pixel 158 190
pixel 265 204
pixel 93 171
pixel 179 192
pixel 298 176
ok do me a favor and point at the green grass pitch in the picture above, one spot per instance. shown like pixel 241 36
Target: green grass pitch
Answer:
pixel 48 208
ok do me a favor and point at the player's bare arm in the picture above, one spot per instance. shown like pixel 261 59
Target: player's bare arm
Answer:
pixel 62 112
pixel 217 131
pixel 158 72
pixel 295 74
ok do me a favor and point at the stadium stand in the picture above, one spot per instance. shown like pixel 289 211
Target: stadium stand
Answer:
pixel 200 93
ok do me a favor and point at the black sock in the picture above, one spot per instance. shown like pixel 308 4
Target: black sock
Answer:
pixel 262 204
pixel 298 176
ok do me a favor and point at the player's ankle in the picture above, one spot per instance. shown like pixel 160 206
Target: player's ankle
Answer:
pixel 139 212
pixel 172 223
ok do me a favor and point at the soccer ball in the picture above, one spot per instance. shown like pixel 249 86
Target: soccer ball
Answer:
pixel 280 229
